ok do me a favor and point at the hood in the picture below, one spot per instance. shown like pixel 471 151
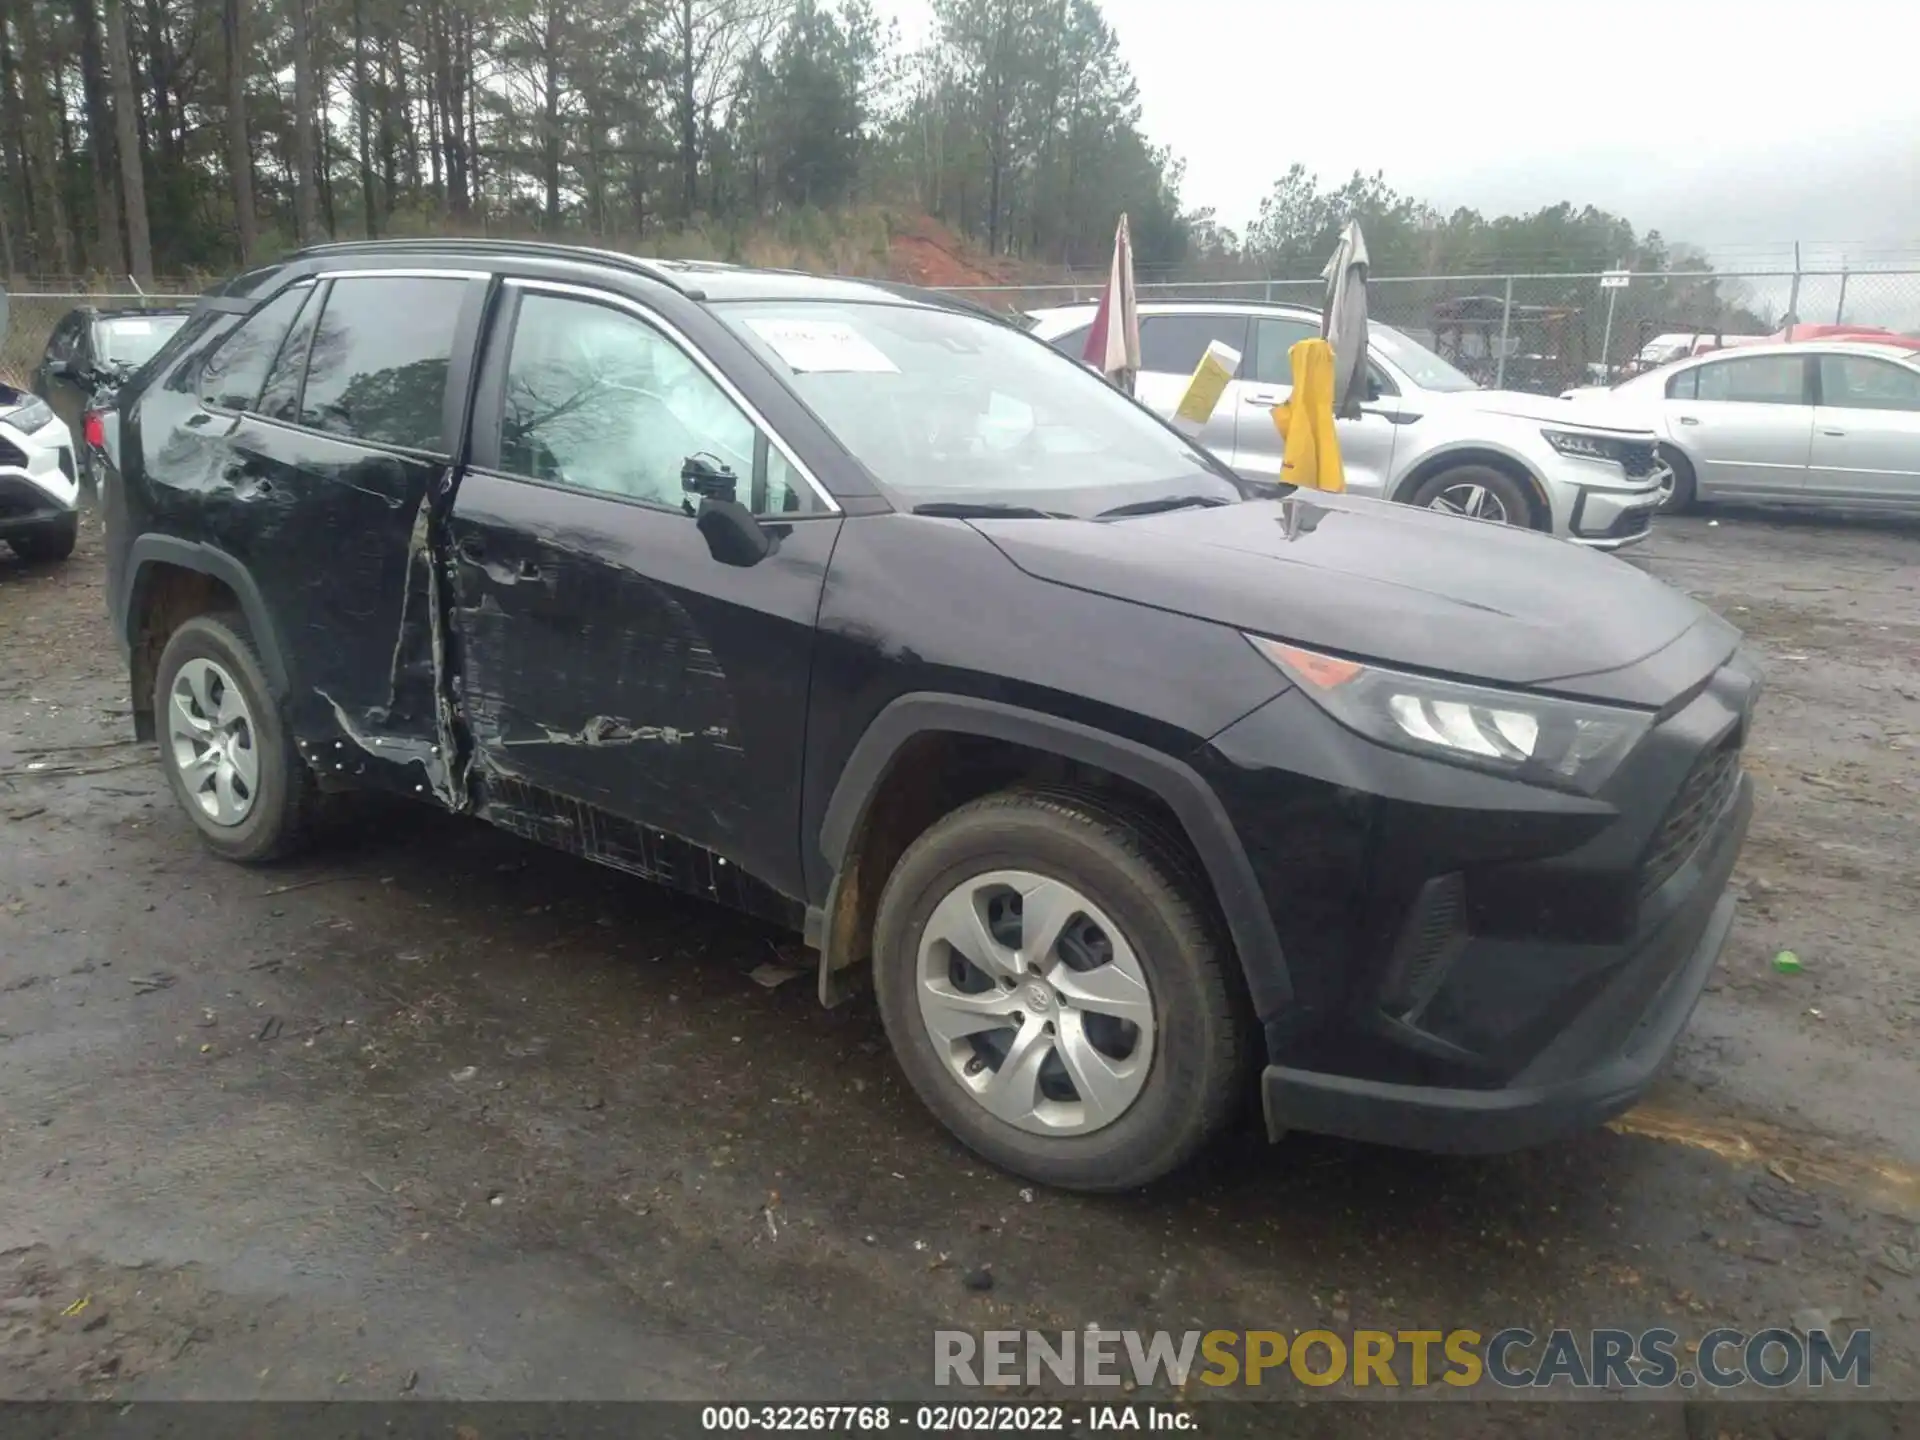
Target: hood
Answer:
pixel 1598 411
pixel 1404 586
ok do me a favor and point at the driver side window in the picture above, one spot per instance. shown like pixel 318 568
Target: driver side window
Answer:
pixel 598 400
pixel 65 344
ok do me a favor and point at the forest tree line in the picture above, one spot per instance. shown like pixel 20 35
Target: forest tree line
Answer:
pixel 166 136
pixel 163 135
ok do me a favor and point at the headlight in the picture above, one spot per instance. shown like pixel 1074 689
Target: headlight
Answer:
pixel 33 415
pixel 1569 744
pixel 1585 447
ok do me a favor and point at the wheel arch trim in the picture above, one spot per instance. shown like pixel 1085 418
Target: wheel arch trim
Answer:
pixel 1671 446
pixel 1474 452
pixel 1198 810
pixel 149 551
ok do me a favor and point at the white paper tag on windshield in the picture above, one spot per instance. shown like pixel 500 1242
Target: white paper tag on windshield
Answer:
pixel 815 346
pixel 132 327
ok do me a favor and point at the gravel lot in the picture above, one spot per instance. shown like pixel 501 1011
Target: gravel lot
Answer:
pixel 438 1113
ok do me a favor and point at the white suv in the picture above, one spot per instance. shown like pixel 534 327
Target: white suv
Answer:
pixel 39 488
pixel 1428 435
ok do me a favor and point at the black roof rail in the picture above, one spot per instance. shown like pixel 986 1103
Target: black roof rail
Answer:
pixel 939 299
pixel 453 245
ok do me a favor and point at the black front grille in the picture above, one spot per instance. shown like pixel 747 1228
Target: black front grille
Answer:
pixel 1639 458
pixel 1631 523
pixel 11 454
pixel 1702 800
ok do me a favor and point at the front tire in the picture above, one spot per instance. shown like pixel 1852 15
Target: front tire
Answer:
pixel 49 542
pixel 1051 984
pixel 1681 497
pixel 1478 492
pixel 225 747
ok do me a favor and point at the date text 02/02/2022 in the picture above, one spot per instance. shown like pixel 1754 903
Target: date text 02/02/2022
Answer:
pixel 985 1417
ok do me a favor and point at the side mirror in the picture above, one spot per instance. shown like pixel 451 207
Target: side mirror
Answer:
pixel 1373 388
pixel 733 535
pixel 706 477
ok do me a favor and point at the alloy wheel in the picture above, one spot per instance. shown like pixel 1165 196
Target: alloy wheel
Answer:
pixel 210 735
pixel 1035 1003
pixel 1476 502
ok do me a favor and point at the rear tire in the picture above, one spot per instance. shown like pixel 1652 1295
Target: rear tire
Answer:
pixel 1682 497
pixel 49 542
pixel 1479 492
pixel 1158 1098
pixel 225 746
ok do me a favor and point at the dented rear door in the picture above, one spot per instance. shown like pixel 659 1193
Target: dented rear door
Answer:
pixel 623 688
pixel 328 481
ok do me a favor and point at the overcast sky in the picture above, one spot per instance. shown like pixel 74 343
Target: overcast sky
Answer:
pixel 1738 126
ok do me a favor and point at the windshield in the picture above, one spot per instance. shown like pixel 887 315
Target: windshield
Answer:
pixel 132 340
pixel 947 407
pixel 1420 365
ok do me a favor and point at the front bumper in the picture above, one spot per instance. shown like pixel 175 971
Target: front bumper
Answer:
pixel 1597 1067
pixel 1474 964
pixel 27 504
pixel 1612 519
pixel 1599 503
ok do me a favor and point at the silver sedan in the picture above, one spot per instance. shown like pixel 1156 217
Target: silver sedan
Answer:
pixel 1819 423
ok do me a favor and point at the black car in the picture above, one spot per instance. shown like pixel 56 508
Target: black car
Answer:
pixel 89 354
pixel 869 614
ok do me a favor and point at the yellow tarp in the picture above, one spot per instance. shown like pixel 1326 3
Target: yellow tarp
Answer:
pixel 1305 422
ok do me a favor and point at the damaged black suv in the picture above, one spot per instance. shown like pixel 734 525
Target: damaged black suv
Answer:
pixel 1131 789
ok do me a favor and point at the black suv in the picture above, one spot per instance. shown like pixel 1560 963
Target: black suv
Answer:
pixel 861 610
pixel 88 355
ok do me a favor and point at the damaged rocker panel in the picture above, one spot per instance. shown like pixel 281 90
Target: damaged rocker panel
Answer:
pixel 595 834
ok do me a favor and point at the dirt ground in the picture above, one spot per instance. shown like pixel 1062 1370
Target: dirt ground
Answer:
pixel 437 1113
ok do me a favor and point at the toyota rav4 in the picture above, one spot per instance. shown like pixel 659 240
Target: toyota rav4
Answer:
pixel 1134 788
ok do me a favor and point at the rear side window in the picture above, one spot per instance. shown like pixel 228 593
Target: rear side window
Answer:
pixel 1073 344
pixel 377 370
pixel 1684 386
pixel 1173 344
pixel 280 400
pixel 1273 348
pixel 1756 380
pixel 235 372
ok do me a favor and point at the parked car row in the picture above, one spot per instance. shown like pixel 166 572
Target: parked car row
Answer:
pixel 1134 786
pixel 42 469
pixel 1428 434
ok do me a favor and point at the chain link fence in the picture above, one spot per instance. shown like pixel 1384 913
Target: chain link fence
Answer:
pixel 1548 333
pixel 1544 333
pixel 35 312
